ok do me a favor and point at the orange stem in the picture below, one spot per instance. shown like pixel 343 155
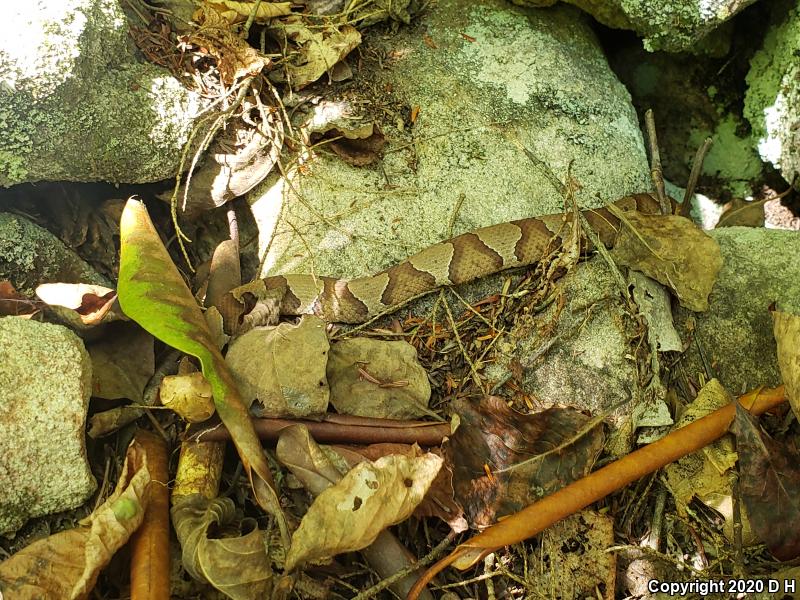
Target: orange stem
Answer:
pixel 150 544
pixel 578 495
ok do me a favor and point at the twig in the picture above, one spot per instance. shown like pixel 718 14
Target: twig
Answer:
pixel 655 163
pixel 464 353
pixel 598 484
pixel 250 18
pixel 697 166
pixel 424 561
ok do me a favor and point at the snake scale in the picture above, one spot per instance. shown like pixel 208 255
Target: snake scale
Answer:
pixel 461 259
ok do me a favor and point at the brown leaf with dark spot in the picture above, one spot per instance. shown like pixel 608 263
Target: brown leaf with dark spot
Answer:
pixel 503 460
pixel 438 502
pixel 769 481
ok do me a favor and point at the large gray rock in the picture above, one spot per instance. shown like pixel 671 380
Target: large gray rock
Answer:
pixel 30 255
pixel 508 98
pixel 45 384
pixel 77 105
pixel 772 102
pixel 734 338
pixel 675 26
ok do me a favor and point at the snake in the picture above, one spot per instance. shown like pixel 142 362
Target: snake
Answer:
pixel 456 261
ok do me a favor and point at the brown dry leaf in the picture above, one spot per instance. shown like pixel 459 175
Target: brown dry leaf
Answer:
pixel 369 498
pixel 503 460
pixel 235 564
pixel 188 395
pixel 671 250
pixel 743 213
pixel 786 327
pixel 235 58
pixel 284 367
pixel 66 565
pixel 123 361
pixel 239 158
pixel 13 304
pixel 238 12
pixel 315 468
pixel 318 49
pixel 438 502
pixel 375 378
pixel 769 480
pixel 81 305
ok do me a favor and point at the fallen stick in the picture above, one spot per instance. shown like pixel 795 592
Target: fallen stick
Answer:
pixel 597 485
pixel 337 429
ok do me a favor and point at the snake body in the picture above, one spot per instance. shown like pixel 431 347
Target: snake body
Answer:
pixel 461 259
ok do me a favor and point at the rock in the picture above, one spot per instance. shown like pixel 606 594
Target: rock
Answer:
pixel 77 105
pixel 772 101
pixel 30 255
pixel 508 98
pixel 675 26
pixel 734 338
pixel 687 110
pixel 584 363
pixel 45 384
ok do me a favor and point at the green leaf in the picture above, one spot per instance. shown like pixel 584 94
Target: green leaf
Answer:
pixel 152 292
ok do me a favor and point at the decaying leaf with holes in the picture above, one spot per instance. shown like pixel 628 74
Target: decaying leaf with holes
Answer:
pixel 350 514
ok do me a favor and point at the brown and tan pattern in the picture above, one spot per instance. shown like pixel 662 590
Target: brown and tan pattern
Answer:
pixel 461 259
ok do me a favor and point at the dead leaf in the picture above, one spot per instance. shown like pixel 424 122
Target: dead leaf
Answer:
pixel 673 251
pixel 769 481
pixel 578 562
pixel 787 335
pixel 350 514
pixel 14 304
pixel 233 12
pixel 316 49
pixel 123 362
pixel 374 378
pixel 81 305
pixel 235 58
pixel 438 502
pixel 240 157
pixel 707 475
pixel 66 564
pixel 742 213
pixel 235 564
pixel 503 460
pixel 188 395
pixel 284 367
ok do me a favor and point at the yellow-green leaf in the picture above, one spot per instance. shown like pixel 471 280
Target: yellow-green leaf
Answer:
pixel 152 292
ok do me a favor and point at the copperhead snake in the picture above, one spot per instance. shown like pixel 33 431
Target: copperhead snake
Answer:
pixel 461 259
